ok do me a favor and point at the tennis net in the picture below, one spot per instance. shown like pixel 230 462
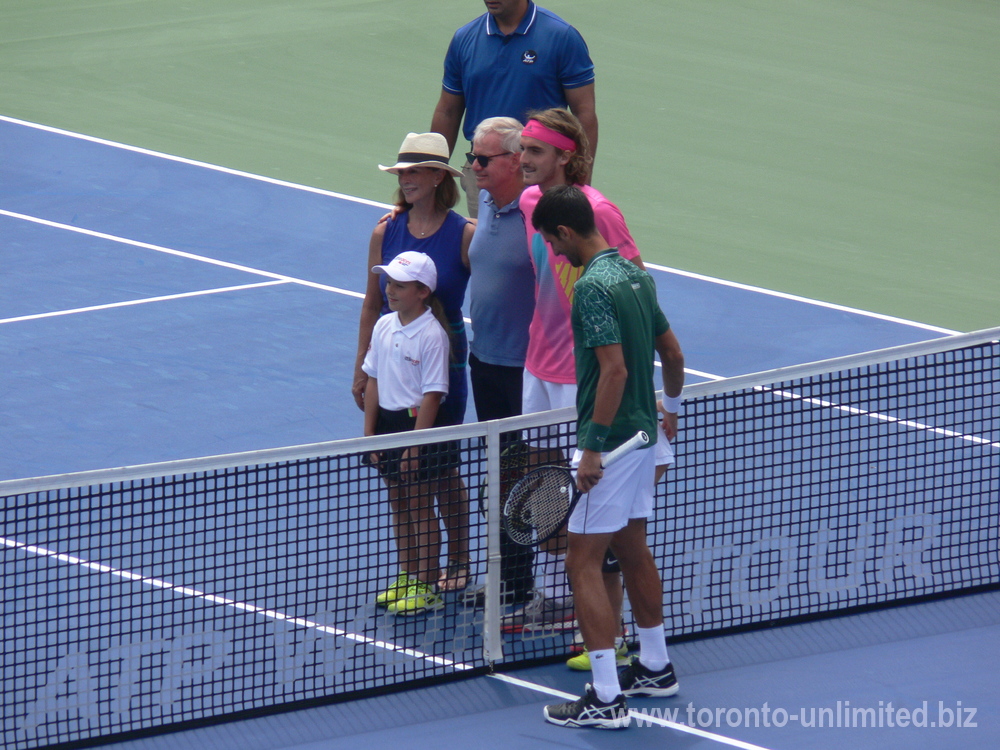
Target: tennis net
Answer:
pixel 171 594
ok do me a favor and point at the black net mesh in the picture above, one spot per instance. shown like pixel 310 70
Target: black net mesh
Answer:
pixel 146 602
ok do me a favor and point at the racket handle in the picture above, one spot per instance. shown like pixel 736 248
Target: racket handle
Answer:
pixel 636 441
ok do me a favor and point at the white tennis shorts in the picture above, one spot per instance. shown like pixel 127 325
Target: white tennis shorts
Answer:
pixel 541 395
pixel 625 492
pixel 664 450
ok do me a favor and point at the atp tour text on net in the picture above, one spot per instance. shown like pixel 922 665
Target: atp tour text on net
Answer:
pixel 96 682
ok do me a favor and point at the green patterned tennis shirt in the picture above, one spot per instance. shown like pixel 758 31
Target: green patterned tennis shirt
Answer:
pixel 614 302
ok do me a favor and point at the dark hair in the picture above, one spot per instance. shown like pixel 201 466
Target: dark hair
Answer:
pixel 564 205
pixel 563 121
pixel 445 195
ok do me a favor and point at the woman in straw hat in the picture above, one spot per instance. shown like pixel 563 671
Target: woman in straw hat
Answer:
pixel 425 222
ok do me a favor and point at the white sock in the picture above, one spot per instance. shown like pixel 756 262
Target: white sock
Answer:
pixel 653 647
pixel 605 672
pixel 550 575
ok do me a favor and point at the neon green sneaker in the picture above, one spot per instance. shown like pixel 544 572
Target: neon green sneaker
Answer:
pixel 418 598
pixel 581 662
pixel 396 589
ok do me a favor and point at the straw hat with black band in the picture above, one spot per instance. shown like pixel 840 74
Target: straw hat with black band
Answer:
pixel 423 150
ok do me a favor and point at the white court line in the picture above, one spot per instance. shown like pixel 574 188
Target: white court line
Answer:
pixel 190 162
pixel 179 253
pixel 279 278
pixel 144 300
pixel 878 416
pixel 797 298
pixel 698 373
pixel 363 201
pixel 226 602
pixel 646 718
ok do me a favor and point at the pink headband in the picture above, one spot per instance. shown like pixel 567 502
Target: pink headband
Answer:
pixel 535 129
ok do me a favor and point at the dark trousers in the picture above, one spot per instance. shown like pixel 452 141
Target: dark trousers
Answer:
pixel 496 391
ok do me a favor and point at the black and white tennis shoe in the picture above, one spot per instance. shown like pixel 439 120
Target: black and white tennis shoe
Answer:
pixel 636 681
pixel 588 711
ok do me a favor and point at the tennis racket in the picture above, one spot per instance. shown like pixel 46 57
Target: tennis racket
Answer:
pixel 541 502
pixel 513 466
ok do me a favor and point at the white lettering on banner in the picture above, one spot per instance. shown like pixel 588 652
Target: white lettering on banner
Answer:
pixel 759 572
pixel 100 685
pixel 824 544
pixel 905 548
pixel 742 581
pixel 72 687
pixel 69 691
pixel 155 670
pixel 187 660
pixel 307 652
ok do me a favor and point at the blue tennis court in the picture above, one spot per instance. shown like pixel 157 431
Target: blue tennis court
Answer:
pixel 155 309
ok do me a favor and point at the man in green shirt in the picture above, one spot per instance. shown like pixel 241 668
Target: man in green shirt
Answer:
pixel 617 326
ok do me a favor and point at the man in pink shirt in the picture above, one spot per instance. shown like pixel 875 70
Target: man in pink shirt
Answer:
pixel 555 151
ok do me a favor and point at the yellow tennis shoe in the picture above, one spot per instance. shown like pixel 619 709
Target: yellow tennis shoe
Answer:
pixel 418 598
pixel 581 662
pixel 396 590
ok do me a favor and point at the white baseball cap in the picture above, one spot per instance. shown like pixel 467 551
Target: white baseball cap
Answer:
pixel 411 266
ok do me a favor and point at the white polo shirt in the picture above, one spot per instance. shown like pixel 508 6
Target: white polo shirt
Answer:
pixel 408 361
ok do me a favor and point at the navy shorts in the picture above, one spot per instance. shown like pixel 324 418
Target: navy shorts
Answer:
pixel 436 459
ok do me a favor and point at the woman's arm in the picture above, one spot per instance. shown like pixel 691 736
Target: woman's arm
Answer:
pixel 371 413
pixel 370 311
pixel 371 406
pixel 470 229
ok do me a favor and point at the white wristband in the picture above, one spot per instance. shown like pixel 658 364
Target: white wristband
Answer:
pixel 672 404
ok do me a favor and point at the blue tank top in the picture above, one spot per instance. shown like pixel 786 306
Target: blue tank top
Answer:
pixel 445 249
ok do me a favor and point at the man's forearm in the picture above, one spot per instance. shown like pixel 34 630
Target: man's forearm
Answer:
pixel 447 117
pixel 672 361
pixel 582 103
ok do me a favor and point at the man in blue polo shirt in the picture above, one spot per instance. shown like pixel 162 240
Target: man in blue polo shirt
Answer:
pixel 512 60
pixel 502 280
pixel 501 303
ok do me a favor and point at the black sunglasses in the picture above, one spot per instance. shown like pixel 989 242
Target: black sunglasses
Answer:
pixel 484 161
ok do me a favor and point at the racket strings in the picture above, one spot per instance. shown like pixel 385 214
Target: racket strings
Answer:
pixel 537 505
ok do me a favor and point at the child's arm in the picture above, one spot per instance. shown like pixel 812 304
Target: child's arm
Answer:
pixel 426 415
pixel 428 411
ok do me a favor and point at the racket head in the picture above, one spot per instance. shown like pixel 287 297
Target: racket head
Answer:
pixel 513 466
pixel 539 505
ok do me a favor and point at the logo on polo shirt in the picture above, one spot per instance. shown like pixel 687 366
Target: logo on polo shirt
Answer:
pixel 529 57
pixel 411 360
